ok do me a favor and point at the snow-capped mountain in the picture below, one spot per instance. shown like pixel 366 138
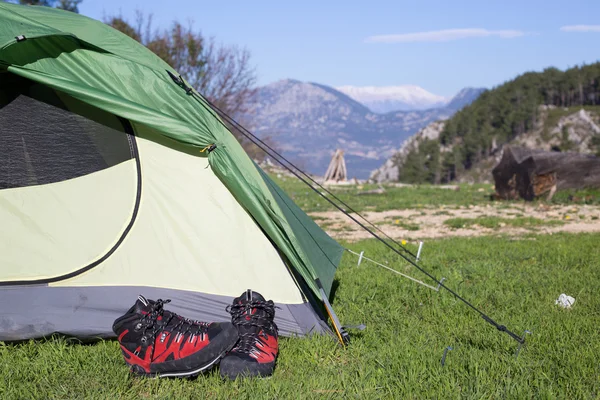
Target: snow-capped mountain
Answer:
pixel 383 99
pixel 309 121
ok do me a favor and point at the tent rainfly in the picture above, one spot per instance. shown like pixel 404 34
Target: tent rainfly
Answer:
pixel 529 173
pixel 337 168
pixel 118 179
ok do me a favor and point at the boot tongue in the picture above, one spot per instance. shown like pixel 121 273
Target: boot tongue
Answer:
pixel 251 295
pixel 143 305
pixel 244 299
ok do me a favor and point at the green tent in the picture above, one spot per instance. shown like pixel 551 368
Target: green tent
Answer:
pixel 115 181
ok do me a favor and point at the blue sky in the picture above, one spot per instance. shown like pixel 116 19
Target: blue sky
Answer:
pixel 440 45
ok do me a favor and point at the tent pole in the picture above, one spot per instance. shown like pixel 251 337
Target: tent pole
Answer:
pixel 341 333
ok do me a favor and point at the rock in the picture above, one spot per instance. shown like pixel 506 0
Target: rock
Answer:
pixel 389 171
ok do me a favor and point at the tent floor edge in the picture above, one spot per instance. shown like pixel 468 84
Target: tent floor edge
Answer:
pixel 88 312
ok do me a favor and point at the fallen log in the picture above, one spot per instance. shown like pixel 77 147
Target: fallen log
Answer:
pixel 528 173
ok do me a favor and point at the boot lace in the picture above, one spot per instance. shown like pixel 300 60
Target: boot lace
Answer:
pixel 170 322
pixel 241 316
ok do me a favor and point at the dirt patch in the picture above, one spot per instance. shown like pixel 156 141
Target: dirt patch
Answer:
pixel 427 223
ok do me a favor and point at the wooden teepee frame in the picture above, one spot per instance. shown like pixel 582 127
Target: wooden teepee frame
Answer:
pixel 337 168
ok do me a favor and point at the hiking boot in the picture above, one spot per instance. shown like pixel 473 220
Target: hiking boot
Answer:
pixel 156 342
pixel 257 348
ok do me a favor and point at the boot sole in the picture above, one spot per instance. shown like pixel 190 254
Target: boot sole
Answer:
pixel 182 374
pixel 139 371
pixel 249 371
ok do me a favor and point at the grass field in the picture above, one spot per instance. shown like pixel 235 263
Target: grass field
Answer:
pixel 421 196
pixel 393 198
pixel 496 222
pixel 408 327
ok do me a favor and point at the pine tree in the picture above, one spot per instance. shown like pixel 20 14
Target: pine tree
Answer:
pixel 501 114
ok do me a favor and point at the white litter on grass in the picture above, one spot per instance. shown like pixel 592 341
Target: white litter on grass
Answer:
pixel 565 301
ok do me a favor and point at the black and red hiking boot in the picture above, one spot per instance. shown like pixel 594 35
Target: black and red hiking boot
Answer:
pixel 256 351
pixel 159 343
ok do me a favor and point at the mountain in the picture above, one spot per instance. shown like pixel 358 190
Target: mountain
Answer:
pixel 390 170
pixel 550 110
pixel 384 99
pixel 566 129
pixel 308 121
pixel 571 129
pixel 465 97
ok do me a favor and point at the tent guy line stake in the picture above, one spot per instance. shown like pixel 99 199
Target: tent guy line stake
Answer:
pixel 361 257
pixel 444 356
pixel 440 284
pixel 419 251
pixel 207 104
pixel 521 344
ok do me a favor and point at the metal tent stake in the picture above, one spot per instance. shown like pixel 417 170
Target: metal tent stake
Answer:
pixel 440 284
pixel 521 343
pixel 444 356
pixel 419 251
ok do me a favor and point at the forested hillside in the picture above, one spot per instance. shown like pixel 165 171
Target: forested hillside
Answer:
pixel 309 121
pixel 497 117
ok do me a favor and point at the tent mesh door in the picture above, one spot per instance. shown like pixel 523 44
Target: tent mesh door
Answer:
pixel 43 143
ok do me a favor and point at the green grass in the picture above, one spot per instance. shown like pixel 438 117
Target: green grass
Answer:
pixel 579 196
pixel 497 222
pixel 394 197
pixel 325 225
pixel 408 327
pixel 400 221
pixel 423 196
pixel 441 213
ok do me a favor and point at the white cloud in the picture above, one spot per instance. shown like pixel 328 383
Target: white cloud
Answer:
pixel 445 35
pixel 580 28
